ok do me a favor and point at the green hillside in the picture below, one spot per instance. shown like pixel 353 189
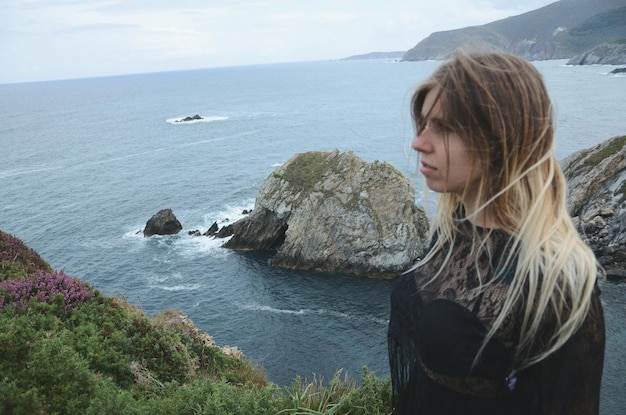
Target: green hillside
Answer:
pixel 598 29
pixel 65 348
pixel 557 31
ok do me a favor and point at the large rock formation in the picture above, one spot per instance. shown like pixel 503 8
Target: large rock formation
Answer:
pixel 610 53
pixel 597 201
pixel 334 212
pixel 162 223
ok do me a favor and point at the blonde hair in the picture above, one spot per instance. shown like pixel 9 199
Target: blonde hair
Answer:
pixel 499 104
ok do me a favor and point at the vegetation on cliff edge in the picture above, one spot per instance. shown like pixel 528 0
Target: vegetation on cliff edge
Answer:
pixel 65 348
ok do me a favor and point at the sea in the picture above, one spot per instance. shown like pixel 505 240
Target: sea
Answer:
pixel 85 163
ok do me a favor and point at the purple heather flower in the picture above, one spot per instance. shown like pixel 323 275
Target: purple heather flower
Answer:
pixel 43 288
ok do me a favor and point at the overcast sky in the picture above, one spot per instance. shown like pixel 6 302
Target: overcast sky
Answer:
pixel 62 39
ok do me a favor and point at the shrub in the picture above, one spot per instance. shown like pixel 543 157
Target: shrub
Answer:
pixel 61 375
pixel 66 348
pixel 18 260
pixel 15 400
pixel 44 288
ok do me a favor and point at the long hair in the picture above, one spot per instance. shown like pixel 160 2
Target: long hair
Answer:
pixel 499 104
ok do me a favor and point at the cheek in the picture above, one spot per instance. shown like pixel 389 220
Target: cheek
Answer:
pixel 464 168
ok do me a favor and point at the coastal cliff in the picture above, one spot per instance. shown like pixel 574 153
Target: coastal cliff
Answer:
pixel 610 53
pixel 560 30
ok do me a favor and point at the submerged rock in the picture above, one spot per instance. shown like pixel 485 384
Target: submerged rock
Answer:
pixel 334 212
pixel 164 222
pixel 597 201
pixel 191 118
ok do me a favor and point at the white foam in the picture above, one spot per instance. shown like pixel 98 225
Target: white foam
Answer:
pixel 193 246
pixel 205 118
pixel 229 213
pixel 269 309
pixel 304 311
pixel 171 282
pixel 21 171
pixel 181 287
pixel 136 234
pixel 199 246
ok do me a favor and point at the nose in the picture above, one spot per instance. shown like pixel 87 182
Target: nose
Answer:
pixel 421 143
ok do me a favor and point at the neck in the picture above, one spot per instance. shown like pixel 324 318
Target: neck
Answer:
pixel 480 218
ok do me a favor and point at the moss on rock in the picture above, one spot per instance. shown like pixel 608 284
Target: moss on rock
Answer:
pixel 613 147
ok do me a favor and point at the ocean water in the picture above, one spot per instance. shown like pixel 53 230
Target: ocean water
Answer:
pixel 85 163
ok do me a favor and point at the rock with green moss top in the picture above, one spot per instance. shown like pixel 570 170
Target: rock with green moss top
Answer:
pixel 597 201
pixel 333 211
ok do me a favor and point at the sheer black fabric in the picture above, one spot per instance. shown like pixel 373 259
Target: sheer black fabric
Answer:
pixel 437 327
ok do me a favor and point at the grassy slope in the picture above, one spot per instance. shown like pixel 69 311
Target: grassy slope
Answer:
pixel 65 348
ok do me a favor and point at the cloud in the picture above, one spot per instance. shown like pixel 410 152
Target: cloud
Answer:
pixel 48 39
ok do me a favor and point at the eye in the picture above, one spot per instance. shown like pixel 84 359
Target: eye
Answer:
pixel 437 126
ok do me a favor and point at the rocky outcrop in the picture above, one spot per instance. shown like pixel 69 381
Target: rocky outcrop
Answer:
pixel 597 201
pixel 610 53
pixel 179 322
pixel 190 118
pixel 164 222
pixel 334 212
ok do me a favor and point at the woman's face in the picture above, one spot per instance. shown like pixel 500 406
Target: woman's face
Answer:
pixel 445 158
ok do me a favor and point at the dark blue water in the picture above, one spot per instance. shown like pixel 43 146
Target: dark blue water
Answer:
pixel 85 163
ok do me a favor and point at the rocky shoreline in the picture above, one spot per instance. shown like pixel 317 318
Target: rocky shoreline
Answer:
pixel 597 201
pixel 609 53
pixel 334 212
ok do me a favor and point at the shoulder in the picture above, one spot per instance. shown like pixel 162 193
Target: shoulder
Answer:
pixel 592 330
pixel 405 285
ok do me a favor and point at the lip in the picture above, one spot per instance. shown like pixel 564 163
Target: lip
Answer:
pixel 427 169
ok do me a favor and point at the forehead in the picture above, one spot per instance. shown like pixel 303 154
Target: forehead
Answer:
pixel 431 107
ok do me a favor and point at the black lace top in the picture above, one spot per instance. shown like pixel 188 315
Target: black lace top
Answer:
pixel 436 329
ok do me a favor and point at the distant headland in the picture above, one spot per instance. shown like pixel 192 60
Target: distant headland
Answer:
pixel 584 31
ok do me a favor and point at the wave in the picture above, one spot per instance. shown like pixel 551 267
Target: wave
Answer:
pixel 195 120
pixel 307 311
pixel 181 287
pixel 171 282
pixel 136 233
pixel 270 309
pixel 21 171
pixel 229 213
pixel 201 246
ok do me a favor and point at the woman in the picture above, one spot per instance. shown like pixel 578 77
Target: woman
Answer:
pixel 502 315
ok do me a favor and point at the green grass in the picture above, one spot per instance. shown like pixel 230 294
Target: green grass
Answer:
pixel 105 356
pixel 306 169
pixel 615 145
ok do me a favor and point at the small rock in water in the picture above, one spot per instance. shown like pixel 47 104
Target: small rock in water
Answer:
pixel 164 222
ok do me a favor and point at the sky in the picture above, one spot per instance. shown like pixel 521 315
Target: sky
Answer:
pixel 66 39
